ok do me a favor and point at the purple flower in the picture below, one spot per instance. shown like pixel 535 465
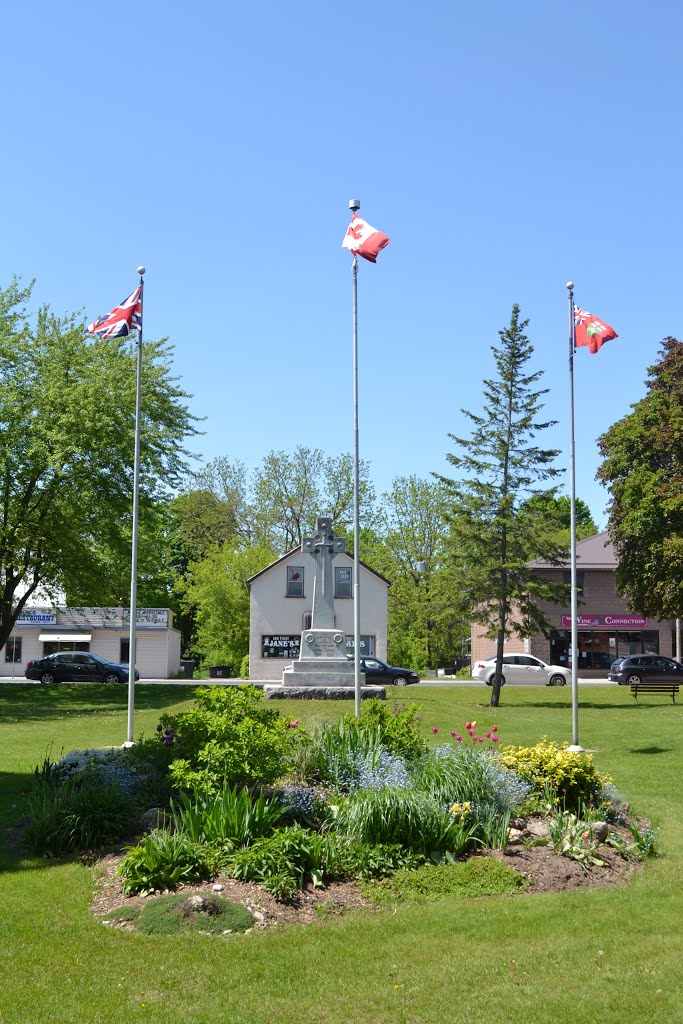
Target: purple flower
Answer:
pixel 159 727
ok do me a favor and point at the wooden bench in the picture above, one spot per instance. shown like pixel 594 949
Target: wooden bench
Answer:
pixel 662 687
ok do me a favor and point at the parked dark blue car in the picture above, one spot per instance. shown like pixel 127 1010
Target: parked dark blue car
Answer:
pixel 76 667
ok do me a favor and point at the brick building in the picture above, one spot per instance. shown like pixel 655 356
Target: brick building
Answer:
pixel 607 628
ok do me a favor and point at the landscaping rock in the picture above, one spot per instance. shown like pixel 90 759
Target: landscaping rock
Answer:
pixel 153 818
pixel 514 836
pixel 599 831
pixel 536 829
pixel 278 692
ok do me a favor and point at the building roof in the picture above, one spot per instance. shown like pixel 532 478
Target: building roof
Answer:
pixel 297 550
pixel 595 552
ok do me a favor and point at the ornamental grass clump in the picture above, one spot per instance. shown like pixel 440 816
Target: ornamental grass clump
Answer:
pixel 469 773
pixel 414 820
pixel 226 820
pixel 77 815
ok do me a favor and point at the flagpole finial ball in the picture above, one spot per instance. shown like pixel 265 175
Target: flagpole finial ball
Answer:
pixel 354 204
pixel 141 271
pixel 570 285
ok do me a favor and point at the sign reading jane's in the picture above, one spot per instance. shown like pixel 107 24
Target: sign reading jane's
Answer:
pixel 615 621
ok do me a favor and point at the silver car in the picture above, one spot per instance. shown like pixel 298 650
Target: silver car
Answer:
pixel 523 669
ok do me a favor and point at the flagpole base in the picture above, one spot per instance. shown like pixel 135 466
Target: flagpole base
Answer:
pixel 576 748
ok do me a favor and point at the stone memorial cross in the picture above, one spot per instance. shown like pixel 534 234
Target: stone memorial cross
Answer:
pixel 323 547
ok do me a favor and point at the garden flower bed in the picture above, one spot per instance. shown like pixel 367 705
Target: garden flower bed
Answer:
pixel 244 803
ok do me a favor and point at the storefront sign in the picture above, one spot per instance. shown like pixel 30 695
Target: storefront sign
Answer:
pixel 281 646
pixel 613 621
pixel 37 617
pixel 147 616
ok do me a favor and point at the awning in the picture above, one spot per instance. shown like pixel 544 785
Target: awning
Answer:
pixel 66 637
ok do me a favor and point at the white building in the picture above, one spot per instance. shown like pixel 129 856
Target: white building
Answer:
pixel 103 631
pixel 281 604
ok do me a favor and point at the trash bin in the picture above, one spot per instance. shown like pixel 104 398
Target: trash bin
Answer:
pixel 219 672
pixel 187 669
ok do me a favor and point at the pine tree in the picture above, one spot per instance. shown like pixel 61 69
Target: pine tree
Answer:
pixel 500 467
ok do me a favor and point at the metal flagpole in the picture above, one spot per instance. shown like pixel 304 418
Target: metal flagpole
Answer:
pixel 134 557
pixel 572 476
pixel 354 206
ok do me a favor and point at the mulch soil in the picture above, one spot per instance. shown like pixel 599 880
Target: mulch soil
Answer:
pixel 545 870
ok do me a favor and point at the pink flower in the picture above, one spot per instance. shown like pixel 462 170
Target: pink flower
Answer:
pixel 435 730
pixel 494 739
pixel 471 732
pixel 494 728
pixel 459 739
pixel 468 725
pixel 488 735
pixel 474 725
pixel 454 734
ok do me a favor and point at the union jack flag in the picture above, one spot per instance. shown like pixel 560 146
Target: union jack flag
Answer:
pixel 580 315
pixel 122 320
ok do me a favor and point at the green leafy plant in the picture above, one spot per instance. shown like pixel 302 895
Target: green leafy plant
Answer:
pixel 172 914
pixel 468 773
pixel 291 855
pixel 643 842
pixel 477 876
pixel 572 837
pixel 230 736
pixel 395 725
pixel 340 747
pixel 226 820
pixel 75 815
pixel 162 861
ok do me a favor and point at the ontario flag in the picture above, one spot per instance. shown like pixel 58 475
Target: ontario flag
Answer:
pixel 122 320
pixel 591 331
pixel 364 240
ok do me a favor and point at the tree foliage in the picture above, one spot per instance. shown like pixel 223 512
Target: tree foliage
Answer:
pixel 499 468
pixel 67 415
pixel 643 469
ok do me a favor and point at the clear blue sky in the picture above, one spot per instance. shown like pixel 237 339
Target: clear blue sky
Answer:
pixel 505 148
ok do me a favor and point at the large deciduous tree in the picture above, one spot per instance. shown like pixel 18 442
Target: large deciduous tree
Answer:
pixel 500 466
pixel 67 413
pixel 643 469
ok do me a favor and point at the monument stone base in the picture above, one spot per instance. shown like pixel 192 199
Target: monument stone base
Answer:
pixel 277 691
pixel 322 661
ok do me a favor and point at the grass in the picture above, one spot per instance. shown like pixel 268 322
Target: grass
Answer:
pixel 578 956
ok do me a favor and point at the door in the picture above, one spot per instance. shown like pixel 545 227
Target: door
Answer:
pixel 531 671
pixel 88 668
pixel 374 671
pixel 65 667
pixel 512 670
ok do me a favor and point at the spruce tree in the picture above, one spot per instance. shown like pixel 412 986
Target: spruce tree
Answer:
pixel 499 468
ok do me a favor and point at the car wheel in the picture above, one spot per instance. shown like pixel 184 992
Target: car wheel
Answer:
pixel 489 681
pixel 48 678
pixel 558 680
pixel 633 679
pixel 400 681
pixel 112 677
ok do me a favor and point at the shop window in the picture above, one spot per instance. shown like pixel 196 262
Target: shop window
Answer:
pixel 295 581
pixel 13 649
pixel 567 580
pixel 367 645
pixel 342 582
pixel 124 651
pixel 53 646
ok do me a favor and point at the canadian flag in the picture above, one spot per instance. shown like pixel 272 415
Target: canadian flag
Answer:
pixel 364 240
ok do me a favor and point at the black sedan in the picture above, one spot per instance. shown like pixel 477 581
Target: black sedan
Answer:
pixel 645 668
pixel 378 673
pixel 76 667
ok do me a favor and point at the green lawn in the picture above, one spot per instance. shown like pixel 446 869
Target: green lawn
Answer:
pixel 593 956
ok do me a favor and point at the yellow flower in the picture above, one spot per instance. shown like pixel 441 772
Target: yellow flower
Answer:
pixel 455 809
pixel 467 806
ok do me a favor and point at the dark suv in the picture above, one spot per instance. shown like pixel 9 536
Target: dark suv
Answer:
pixel 645 668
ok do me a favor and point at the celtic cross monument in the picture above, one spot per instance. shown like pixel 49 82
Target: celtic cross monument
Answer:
pixel 322 660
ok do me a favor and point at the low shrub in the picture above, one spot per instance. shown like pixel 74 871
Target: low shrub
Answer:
pixel 174 914
pixel 244 667
pixel 340 748
pixel 229 737
pixel 572 776
pixel 396 725
pixel 477 876
pixel 226 820
pixel 74 815
pixel 164 860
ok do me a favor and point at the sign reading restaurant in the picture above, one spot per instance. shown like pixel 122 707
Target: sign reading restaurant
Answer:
pixel 613 621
